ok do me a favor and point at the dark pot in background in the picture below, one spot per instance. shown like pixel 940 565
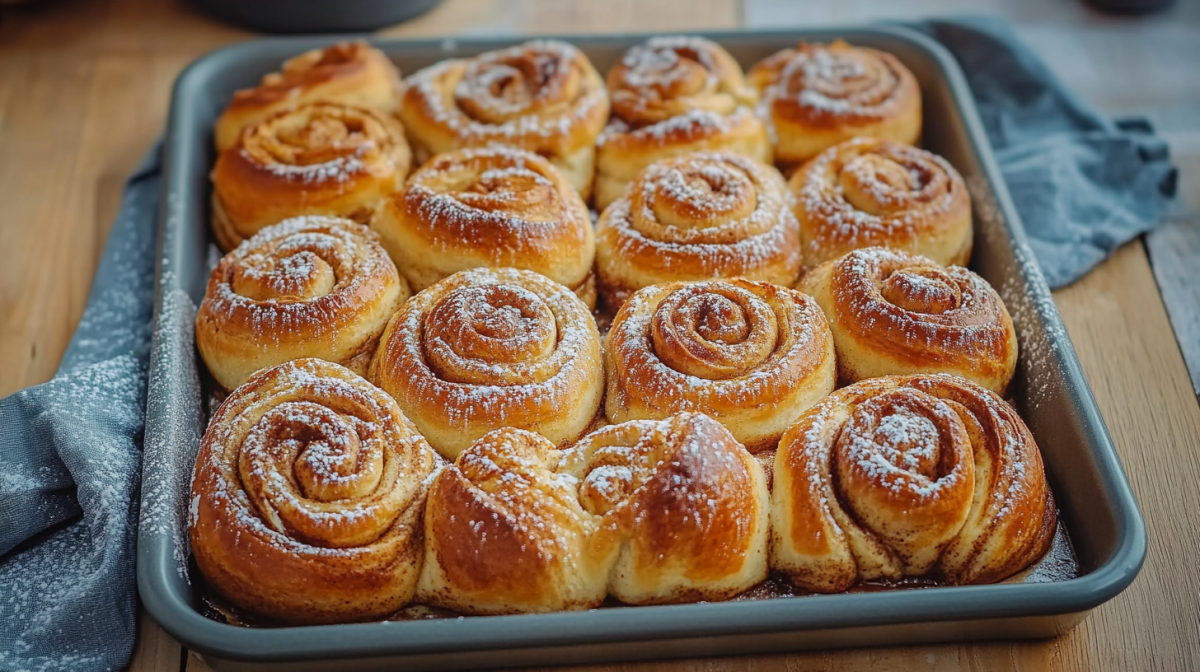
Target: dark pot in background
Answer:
pixel 1131 7
pixel 315 16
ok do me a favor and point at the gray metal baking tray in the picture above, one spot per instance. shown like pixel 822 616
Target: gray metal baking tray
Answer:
pixel 1051 393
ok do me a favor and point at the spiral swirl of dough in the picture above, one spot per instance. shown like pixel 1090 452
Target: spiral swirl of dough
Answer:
pixel 816 96
pixel 308 497
pixel 306 287
pixel 542 96
pixel 697 217
pixel 909 476
pixel 867 192
pixel 492 348
pixel 894 313
pixel 671 96
pixel 318 159
pixel 347 73
pixel 489 207
pixel 752 355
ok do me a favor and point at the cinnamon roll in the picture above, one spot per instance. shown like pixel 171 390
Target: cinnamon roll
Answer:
pixel 491 348
pixel 867 192
pixel 893 313
pixel 680 506
pixel 697 217
pixel 752 355
pixel 319 159
pixel 489 207
pixel 672 96
pixel 505 532
pixel 306 287
pixel 816 96
pixel 907 476
pixel 347 73
pixel 543 96
pixel 308 497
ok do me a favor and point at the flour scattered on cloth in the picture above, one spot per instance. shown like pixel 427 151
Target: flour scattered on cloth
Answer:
pixel 71 458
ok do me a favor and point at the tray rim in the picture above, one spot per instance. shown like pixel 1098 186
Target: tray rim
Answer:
pixel 942 604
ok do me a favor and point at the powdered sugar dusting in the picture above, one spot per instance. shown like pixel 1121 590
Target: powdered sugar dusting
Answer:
pixel 536 95
pixel 308 458
pixel 901 445
pixel 324 146
pixel 726 348
pixel 682 87
pixel 310 276
pixel 945 315
pixel 703 216
pixel 686 472
pixel 504 204
pixel 835 81
pixel 173 435
pixel 850 196
pixel 692 125
pixel 489 347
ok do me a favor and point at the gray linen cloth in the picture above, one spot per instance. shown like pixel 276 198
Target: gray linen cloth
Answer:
pixel 1083 184
pixel 70 465
pixel 70 448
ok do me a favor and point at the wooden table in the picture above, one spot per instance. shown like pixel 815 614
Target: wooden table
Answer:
pixel 84 87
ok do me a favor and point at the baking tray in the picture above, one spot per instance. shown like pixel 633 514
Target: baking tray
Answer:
pixel 1052 395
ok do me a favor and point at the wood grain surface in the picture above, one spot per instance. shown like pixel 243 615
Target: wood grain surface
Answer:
pixel 84 86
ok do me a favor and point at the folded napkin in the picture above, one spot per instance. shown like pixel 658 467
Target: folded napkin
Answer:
pixel 70 465
pixel 70 448
pixel 1082 183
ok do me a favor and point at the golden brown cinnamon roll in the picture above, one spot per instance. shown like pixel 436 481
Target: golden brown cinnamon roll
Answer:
pixel 320 159
pixel 671 96
pixel 306 287
pixel 308 497
pixel 680 506
pixel 752 355
pixel 542 96
pixel 491 348
pixel 868 192
pixel 347 73
pixel 505 532
pixel 816 96
pixel 894 313
pixel 489 207
pixel 698 217
pixel 908 476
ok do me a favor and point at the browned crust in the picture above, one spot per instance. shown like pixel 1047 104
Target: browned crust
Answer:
pixel 256 188
pixel 281 577
pixel 787 106
pixel 554 127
